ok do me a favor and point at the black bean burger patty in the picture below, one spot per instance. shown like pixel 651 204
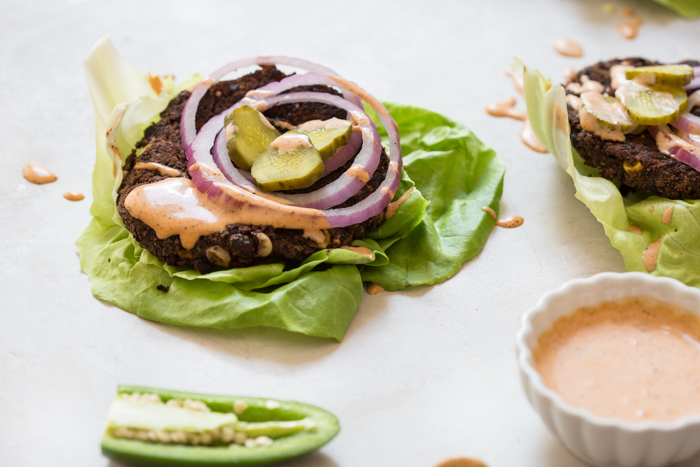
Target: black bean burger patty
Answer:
pixel 162 145
pixel 662 175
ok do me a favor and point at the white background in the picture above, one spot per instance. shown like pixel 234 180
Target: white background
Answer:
pixel 422 375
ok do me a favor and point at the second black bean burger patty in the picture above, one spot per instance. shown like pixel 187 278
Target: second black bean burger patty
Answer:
pixel 662 175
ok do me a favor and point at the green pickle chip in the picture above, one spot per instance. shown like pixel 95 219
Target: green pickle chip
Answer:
pixel 607 111
pixel 668 75
pixel 652 105
pixel 249 134
pixel 327 136
pixel 294 164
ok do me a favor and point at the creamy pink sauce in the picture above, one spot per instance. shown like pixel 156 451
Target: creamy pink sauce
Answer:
pixel 394 206
pixel 634 228
pixel 529 139
pixel 636 359
pixel 518 81
pixel 568 74
pixel 38 175
pixel 290 142
pixel 568 48
pixel 359 172
pixel 650 256
pixel 461 462
pixel 160 168
pixel 374 289
pixel 594 107
pixel 505 108
pixel 73 196
pixel 667 216
pixel 173 206
pixel 618 75
pixel 629 29
pixel 330 124
pixel 585 85
pixel 362 250
pixel 156 83
pixel 508 222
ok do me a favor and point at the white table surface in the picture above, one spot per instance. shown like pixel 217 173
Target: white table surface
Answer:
pixel 422 375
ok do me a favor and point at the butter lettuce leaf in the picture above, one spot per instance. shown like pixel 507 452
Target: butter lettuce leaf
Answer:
pixel 317 297
pixel 459 175
pixel 687 8
pixel 679 253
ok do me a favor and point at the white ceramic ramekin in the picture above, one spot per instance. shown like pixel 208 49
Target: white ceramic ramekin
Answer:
pixel 605 442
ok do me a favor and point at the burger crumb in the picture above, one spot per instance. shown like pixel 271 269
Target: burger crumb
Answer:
pixel 162 288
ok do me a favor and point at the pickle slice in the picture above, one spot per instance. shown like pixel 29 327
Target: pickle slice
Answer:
pixel 668 75
pixel 299 168
pixel 327 136
pixel 250 135
pixel 608 111
pixel 652 105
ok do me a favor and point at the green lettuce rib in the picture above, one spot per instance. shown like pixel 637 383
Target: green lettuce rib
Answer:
pixel 460 174
pixel 679 254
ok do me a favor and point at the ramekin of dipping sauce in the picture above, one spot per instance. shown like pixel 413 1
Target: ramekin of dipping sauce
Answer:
pixel 617 332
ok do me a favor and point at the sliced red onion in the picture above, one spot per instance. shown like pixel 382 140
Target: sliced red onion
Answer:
pixel 333 194
pixel 690 139
pixel 307 79
pixel 360 212
pixel 377 201
pixel 685 156
pixel 688 123
pixel 695 83
pixel 677 147
pixel 223 162
pixel 344 154
pixel 188 129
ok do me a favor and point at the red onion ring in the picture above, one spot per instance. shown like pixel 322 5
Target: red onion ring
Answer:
pixel 686 157
pixel 695 83
pixel 343 154
pixel 688 123
pixel 307 79
pixel 369 207
pixel 188 129
pixel 333 194
pixel 677 151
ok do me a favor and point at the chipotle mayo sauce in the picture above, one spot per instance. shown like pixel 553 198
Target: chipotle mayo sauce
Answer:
pixel 568 48
pixel 38 175
pixel 635 359
pixel 175 207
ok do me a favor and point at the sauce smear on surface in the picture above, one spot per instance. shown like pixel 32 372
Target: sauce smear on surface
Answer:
pixel 635 359
pixel 629 29
pixel 38 175
pixel 461 462
pixel 510 222
pixel 568 48
pixel 73 196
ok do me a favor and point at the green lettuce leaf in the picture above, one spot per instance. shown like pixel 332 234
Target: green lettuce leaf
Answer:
pixel 687 8
pixel 317 297
pixel 679 253
pixel 459 175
